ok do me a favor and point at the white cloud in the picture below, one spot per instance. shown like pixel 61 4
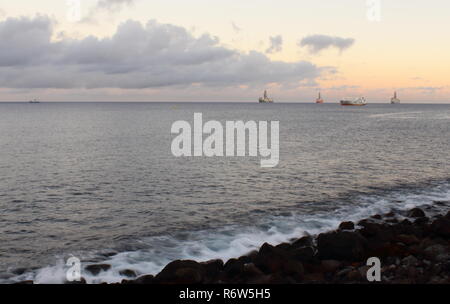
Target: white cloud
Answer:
pixel 136 56
pixel 317 43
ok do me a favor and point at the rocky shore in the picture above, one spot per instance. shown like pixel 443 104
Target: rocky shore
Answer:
pixel 413 249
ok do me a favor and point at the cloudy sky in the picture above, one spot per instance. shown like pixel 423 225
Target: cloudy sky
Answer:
pixel 203 50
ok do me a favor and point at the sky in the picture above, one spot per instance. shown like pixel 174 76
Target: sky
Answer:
pixel 203 50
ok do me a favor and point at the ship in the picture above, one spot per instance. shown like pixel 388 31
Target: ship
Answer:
pixel 394 99
pixel 361 101
pixel 265 99
pixel 34 101
pixel 319 99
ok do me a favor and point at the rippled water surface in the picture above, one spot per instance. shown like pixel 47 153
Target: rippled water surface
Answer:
pixel 98 180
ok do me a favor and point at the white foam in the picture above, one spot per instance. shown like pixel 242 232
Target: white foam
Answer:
pixel 231 242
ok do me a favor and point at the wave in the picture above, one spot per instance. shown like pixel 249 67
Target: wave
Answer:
pixel 234 241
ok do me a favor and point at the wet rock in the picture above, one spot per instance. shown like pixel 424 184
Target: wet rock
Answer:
pixel 344 272
pixel 146 279
pixel 416 212
pixel 251 273
pixel 181 272
pixel 304 254
pixel 376 216
pixel 389 214
pixel 82 281
pixel 213 268
pixel 95 269
pixel 341 245
pixel 354 275
pixel 306 241
pixel 441 227
pixel 347 226
pixel 284 246
pixel 407 239
pixel 421 221
pixel 128 273
pixel 433 251
pixel 316 277
pixel 273 260
pixel 28 282
pixel 233 267
pixel 19 271
pixel 331 265
pixel 410 261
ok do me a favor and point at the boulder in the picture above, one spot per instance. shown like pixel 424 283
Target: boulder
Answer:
pixel 347 226
pixel 273 260
pixel 441 227
pixel 213 268
pixel 407 239
pixel 128 273
pixel 233 267
pixel 341 245
pixel 145 279
pixel 95 269
pixel 416 213
pixel 306 241
pixel 181 272
pixel 331 265
pixel 304 254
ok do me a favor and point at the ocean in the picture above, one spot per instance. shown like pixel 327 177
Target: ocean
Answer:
pixel 98 181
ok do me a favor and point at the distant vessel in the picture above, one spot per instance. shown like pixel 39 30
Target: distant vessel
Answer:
pixel 265 99
pixel 395 99
pixel 34 101
pixel 319 99
pixel 361 101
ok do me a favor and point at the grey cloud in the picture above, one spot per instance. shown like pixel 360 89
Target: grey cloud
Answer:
pixel 317 43
pixel 113 5
pixel 276 44
pixel 136 56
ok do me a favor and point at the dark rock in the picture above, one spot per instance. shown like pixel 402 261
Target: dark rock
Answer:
pixel 416 212
pixel 146 279
pixel 331 265
pixel 433 251
pixel 181 272
pixel 376 216
pixel 389 214
pixel 251 273
pixel 306 241
pixel 82 281
pixel 283 246
pixel 371 230
pixel 273 260
pixel 29 282
pixel 316 277
pixel 410 261
pixel 354 275
pixel 128 273
pixel 304 254
pixel 233 267
pixel 19 271
pixel 421 221
pixel 213 268
pixel 441 227
pixel 95 269
pixel 407 239
pixel 341 245
pixel 347 226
